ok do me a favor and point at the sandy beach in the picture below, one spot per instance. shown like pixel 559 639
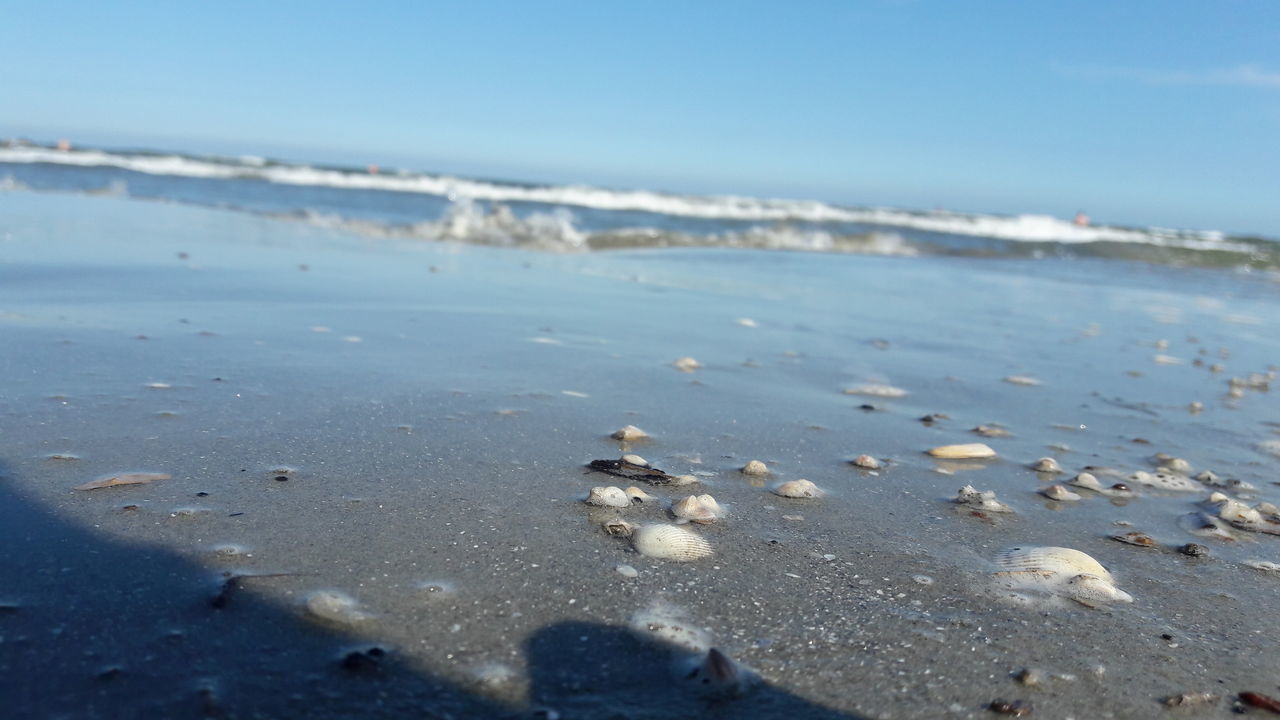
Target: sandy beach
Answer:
pixel 406 425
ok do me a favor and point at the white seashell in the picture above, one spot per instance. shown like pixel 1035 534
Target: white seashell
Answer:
pixel 608 497
pixel 1057 492
pixel 959 452
pixel 680 480
pixel 686 364
pixel 992 431
pixel 1166 360
pixel 635 460
pixel 629 432
pixel 1046 465
pixel 1022 380
pixel 755 467
pixel 1176 465
pixel 716 675
pixel 971 496
pixel 697 508
pixel 874 390
pixel 1089 482
pixel 334 607
pixel 670 542
pixel 1058 571
pixel 627 571
pixel 798 489
pixel 636 495
pixel 1260 518
pixel 866 461
pixel 1165 481
pixel 669 626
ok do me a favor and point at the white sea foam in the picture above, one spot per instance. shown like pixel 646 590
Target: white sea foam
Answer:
pixel 1023 228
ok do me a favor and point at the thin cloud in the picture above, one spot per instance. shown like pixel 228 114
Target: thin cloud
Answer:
pixel 1247 75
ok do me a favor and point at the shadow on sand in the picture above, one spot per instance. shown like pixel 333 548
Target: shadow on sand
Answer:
pixel 92 628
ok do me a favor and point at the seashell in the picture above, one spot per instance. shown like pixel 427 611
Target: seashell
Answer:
pixel 669 626
pixel 866 461
pixel 1165 481
pixel 686 364
pixel 629 432
pixel 617 527
pixel 1193 550
pixel 875 390
pixel 636 495
pixel 798 489
pixel 697 508
pixel 965 451
pixel 1022 380
pixel 1175 465
pixel 1057 492
pixel 992 430
pixel 1089 482
pixel 716 675
pixel 1264 565
pixel 1134 538
pixel 679 480
pixel 971 496
pixel 334 607
pixel 1195 407
pixel 635 460
pixel 670 542
pixel 1058 571
pixel 1046 465
pixel 755 467
pixel 1260 518
pixel 608 497
pixel 1166 360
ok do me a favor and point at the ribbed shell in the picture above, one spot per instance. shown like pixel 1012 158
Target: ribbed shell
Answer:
pixel 670 542
pixel 1052 560
pixel 1058 571
pixel 697 508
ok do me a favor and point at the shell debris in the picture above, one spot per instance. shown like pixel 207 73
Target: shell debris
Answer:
pixel 636 495
pixel 798 489
pixel 1165 481
pixel 963 452
pixel 974 498
pixel 1022 380
pixel 617 527
pixel 670 542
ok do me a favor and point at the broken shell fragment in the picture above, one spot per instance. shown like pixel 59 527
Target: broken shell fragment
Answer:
pixel 617 527
pixel 135 478
pixel 979 500
pixel 635 460
pixel 1046 465
pixel 1059 493
pixel 670 542
pixel 1134 538
pixel 1057 571
pixel 697 508
pixel 961 452
pixel 334 607
pixel 686 364
pixel 876 390
pixel 608 497
pixel 629 432
pixel 636 495
pixel 755 467
pixel 798 489
pixel 1021 380
pixel 679 480
pixel 866 461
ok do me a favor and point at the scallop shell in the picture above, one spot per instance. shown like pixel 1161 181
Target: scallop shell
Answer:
pixel 866 461
pixel 1057 492
pixel 964 451
pixel 608 497
pixel 629 432
pixel 874 390
pixel 697 508
pixel 1058 571
pixel 670 542
pixel 755 467
pixel 798 489
pixel 635 494
pixel 1046 465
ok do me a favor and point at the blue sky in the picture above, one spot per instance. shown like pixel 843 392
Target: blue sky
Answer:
pixel 1164 113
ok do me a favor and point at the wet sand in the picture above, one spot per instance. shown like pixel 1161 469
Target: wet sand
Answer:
pixel 431 409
